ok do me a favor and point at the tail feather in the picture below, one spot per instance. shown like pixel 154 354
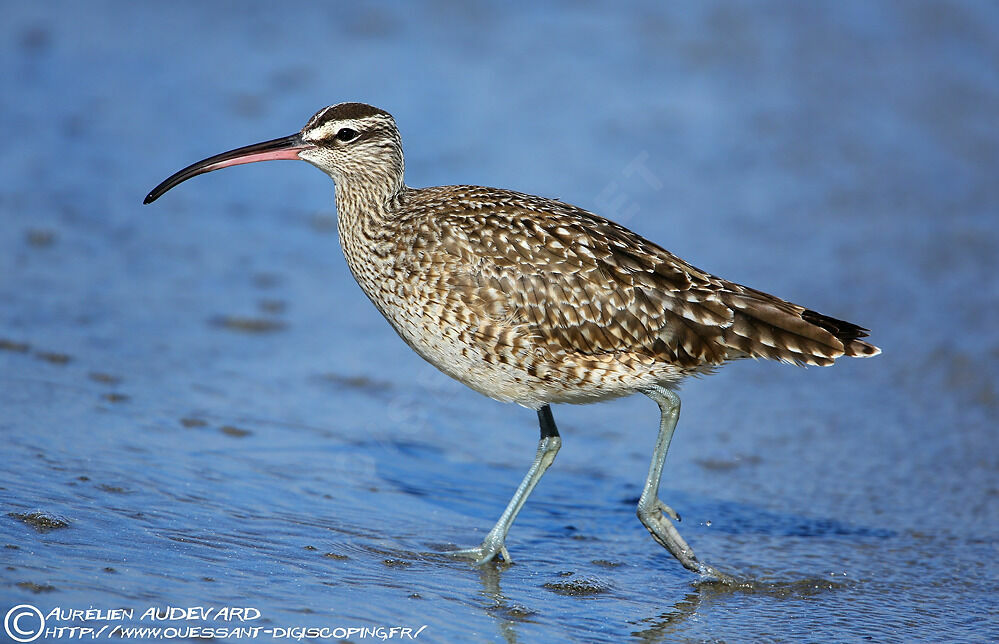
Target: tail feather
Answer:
pixel 768 327
pixel 846 332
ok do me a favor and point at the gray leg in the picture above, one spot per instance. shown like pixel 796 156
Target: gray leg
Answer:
pixel 653 512
pixel 548 447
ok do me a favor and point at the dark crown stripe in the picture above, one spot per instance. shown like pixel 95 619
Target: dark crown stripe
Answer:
pixel 344 111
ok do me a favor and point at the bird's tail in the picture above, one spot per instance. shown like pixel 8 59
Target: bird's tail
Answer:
pixel 765 326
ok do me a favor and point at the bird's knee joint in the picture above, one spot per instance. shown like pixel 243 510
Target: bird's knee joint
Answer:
pixel 669 402
pixel 550 445
pixel 670 405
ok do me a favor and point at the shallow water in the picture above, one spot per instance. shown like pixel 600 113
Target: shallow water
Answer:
pixel 200 408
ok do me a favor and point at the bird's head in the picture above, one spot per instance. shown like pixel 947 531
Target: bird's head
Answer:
pixel 354 143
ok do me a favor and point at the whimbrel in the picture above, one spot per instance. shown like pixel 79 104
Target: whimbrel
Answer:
pixel 535 301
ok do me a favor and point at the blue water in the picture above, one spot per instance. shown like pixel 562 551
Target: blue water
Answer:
pixel 200 392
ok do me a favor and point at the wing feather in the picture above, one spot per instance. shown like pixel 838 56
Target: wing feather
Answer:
pixel 573 282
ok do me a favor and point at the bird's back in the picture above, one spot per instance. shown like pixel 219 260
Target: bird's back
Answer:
pixel 535 300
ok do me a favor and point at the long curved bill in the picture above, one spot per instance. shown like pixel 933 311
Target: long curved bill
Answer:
pixel 284 148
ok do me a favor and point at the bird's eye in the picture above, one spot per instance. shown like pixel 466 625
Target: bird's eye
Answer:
pixel 346 134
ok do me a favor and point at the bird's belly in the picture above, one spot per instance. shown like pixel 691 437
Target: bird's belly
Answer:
pixel 455 351
pixel 506 365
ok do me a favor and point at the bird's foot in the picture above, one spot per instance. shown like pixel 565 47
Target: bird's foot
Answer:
pixel 490 548
pixel 665 509
pixel 656 521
